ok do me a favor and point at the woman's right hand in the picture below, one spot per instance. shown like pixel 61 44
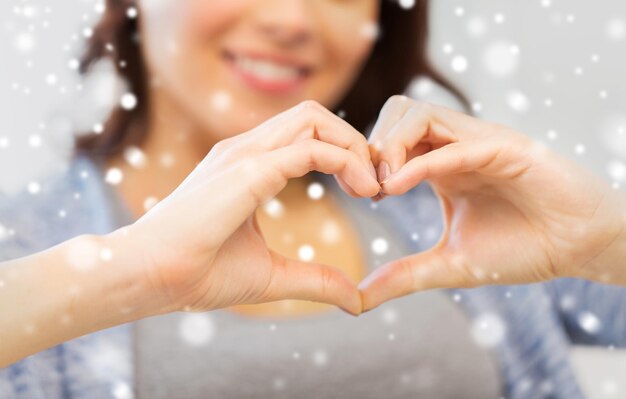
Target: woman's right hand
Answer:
pixel 201 246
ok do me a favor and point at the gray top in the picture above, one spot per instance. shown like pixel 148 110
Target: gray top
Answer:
pixel 417 346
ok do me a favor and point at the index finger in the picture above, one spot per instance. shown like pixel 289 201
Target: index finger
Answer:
pixel 309 120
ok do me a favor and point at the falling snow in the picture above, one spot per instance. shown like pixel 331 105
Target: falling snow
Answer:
pixel 274 208
pixel 135 157
pixel 380 246
pixel 315 191
pixel 83 254
pixel 589 322
pixel 501 58
pixel 128 101
pixel 488 330
pixel 114 176
pixel 306 253
pixel 196 329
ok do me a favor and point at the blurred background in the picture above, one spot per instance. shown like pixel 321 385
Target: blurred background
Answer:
pixel 553 69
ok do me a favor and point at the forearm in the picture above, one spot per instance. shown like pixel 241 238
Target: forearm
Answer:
pixel 82 285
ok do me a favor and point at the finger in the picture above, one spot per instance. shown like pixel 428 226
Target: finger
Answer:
pixel 252 182
pixel 309 120
pixel 416 126
pixel 345 187
pixel 449 159
pixel 461 125
pixel 426 270
pixel 300 158
pixel 392 111
pixel 293 279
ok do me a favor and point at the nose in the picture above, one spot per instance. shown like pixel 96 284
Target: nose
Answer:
pixel 286 22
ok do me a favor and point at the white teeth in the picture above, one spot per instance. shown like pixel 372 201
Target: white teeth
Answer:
pixel 266 70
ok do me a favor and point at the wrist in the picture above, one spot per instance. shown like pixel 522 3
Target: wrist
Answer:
pixel 610 265
pixel 137 293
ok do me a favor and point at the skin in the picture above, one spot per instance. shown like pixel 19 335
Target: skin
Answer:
pixel 202 247
pixel 318 34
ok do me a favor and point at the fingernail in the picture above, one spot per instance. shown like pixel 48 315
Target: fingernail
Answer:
pixel 373 171
pixel 380 196
pixel 367 310
pixel 383 171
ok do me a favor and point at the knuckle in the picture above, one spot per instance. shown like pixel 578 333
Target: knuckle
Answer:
pixel 362 146
pixel 260 178
pixel 405 267
pixel 221 145
pixel 398 99
pixel 326 281
pixel 310 155
pixel 422 108
pixel 309 111
pixel 249 166
pixel 310 106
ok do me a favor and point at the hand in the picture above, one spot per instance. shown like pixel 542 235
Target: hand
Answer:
pixel 514 211
pixel 202 246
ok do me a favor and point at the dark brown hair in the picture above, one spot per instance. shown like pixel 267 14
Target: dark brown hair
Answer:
pixel 399 55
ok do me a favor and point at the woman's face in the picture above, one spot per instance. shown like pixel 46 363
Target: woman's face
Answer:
pixel 230 64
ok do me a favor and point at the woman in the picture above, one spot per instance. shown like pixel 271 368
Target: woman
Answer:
pixel 206 75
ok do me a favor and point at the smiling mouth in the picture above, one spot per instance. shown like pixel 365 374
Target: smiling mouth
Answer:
pixel 265 73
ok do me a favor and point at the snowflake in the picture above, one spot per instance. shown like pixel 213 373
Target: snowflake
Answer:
pixel 196 329
pixel 221 100
pixel 135 156
pixel 306 253
pixel 518 101
pixel 150 202
pixel 114 176
pixel 128 101
pixel 315 191
pixel 616 29
pixel 320 358
pixel 501 58
pixel 380 246
pixel 459 64
pixel 330 232
pixel 274 208
pixel 488 330
pixel 589 322
pixel 390 316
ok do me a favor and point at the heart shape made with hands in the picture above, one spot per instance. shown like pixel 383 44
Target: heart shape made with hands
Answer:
pixel 470 165
pixel 509 213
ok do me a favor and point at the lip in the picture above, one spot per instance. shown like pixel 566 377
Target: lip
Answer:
pixel 283 86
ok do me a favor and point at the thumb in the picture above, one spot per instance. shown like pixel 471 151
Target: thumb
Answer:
pixel 434 268
pixel 293 279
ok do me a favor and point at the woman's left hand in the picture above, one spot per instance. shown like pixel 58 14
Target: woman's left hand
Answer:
pixel 515 212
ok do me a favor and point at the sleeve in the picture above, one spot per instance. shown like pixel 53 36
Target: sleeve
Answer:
pixel 592 313
pixel 11 245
